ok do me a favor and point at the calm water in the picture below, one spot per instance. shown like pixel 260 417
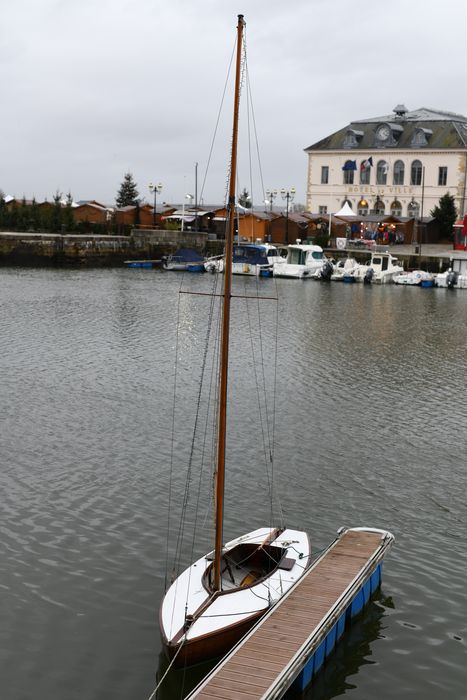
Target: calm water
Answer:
pixel 371 429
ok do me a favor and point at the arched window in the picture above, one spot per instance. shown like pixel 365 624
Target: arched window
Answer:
pixel 413 210
pixel 362 207
pixel 416 173
pixel 396 208
pixel 398 177
pixel 382 170
pixel 379 206
pixel 365 172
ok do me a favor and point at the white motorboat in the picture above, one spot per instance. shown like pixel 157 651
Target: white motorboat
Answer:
pixel 303 261
pixel 248 259
pixel 414 278
pixel 451 279
pixel 381 268
pixel 344 269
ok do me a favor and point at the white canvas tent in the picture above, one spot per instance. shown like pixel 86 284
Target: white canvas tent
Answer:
pixel 345 211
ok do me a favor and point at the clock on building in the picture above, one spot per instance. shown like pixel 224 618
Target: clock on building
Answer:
pixel 383 132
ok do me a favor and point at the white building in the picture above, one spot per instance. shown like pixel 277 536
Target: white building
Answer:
pixel 399 164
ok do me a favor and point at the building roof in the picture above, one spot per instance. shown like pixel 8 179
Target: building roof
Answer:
pixel 419 129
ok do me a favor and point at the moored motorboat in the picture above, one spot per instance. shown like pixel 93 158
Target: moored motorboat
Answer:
pixel 381 268
pixel 414 278
pixel 248 259
pixel 344 268
pixel 451 279
pixel 302 262
pixel 185 260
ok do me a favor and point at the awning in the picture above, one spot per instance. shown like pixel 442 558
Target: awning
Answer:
pixel 187 217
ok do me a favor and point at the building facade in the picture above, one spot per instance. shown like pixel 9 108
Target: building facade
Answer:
pixel 400 165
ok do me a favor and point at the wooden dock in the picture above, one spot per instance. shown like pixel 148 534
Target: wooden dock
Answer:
pixel 290 643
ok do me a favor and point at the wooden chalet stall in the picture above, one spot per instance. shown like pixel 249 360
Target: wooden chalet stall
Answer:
pixel 255 226
pixel 286 230
pixel 136 216
pixel 91 213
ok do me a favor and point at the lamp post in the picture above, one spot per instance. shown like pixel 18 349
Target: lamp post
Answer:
pixel 189 197
pixel 271 195
pixel 155 189
pixel 422 225
pixel 288 195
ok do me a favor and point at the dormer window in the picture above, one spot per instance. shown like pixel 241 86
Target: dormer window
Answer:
pixel 352 138
pixel 421 137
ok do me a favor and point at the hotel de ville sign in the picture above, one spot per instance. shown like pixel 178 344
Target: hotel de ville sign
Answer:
pixel 383 191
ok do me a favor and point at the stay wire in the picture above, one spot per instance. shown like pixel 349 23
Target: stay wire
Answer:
pixel 216 128
pixel 172 443
pixel 262 419
pixel 188 479
pixel 208 404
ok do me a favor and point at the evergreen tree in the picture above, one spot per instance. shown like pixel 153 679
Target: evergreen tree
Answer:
pixel 3 211
pixel 56 218
pixel 445 214
pixel 68 218
pixel 128 193
pixel 35 216
pixel 12 219
pixel 22 220
pixel 244 199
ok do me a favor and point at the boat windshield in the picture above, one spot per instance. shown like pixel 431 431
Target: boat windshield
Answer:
pixel 296 256
pixel 317 255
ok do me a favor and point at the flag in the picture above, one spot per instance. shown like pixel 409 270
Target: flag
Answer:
pixel 350 165
pixel 367 163
pixel 385 168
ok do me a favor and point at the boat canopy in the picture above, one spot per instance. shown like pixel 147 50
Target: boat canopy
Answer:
pixel 188 255
pixel 251 254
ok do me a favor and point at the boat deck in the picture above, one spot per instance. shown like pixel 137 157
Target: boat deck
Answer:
pixel 269 658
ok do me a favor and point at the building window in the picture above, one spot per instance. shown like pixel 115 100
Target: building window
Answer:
pixel 442 175
pixel 322 210
pixel 382 170
pixel 416 173
pixel 398 177
pixel 379 206
pixel 413 209
pixel 348 177
pixel 324 174
pixel 365 172
pixel 362 207
pixel 396 208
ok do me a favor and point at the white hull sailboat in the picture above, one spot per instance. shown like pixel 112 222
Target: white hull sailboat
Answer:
pixel 214 602
pixel 257 570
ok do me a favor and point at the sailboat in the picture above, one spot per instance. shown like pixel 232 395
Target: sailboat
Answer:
pixel 217 599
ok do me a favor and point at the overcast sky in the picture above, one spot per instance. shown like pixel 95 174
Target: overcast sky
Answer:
pixel 92 89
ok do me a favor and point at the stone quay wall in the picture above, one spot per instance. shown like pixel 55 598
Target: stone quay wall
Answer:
pixel 81 249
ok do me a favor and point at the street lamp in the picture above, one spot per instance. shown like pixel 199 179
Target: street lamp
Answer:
pixel 155 189
pixel 190 198
pixel 288 195
pixel 271 195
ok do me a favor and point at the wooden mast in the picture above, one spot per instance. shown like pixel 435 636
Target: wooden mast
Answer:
pixel 224 348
